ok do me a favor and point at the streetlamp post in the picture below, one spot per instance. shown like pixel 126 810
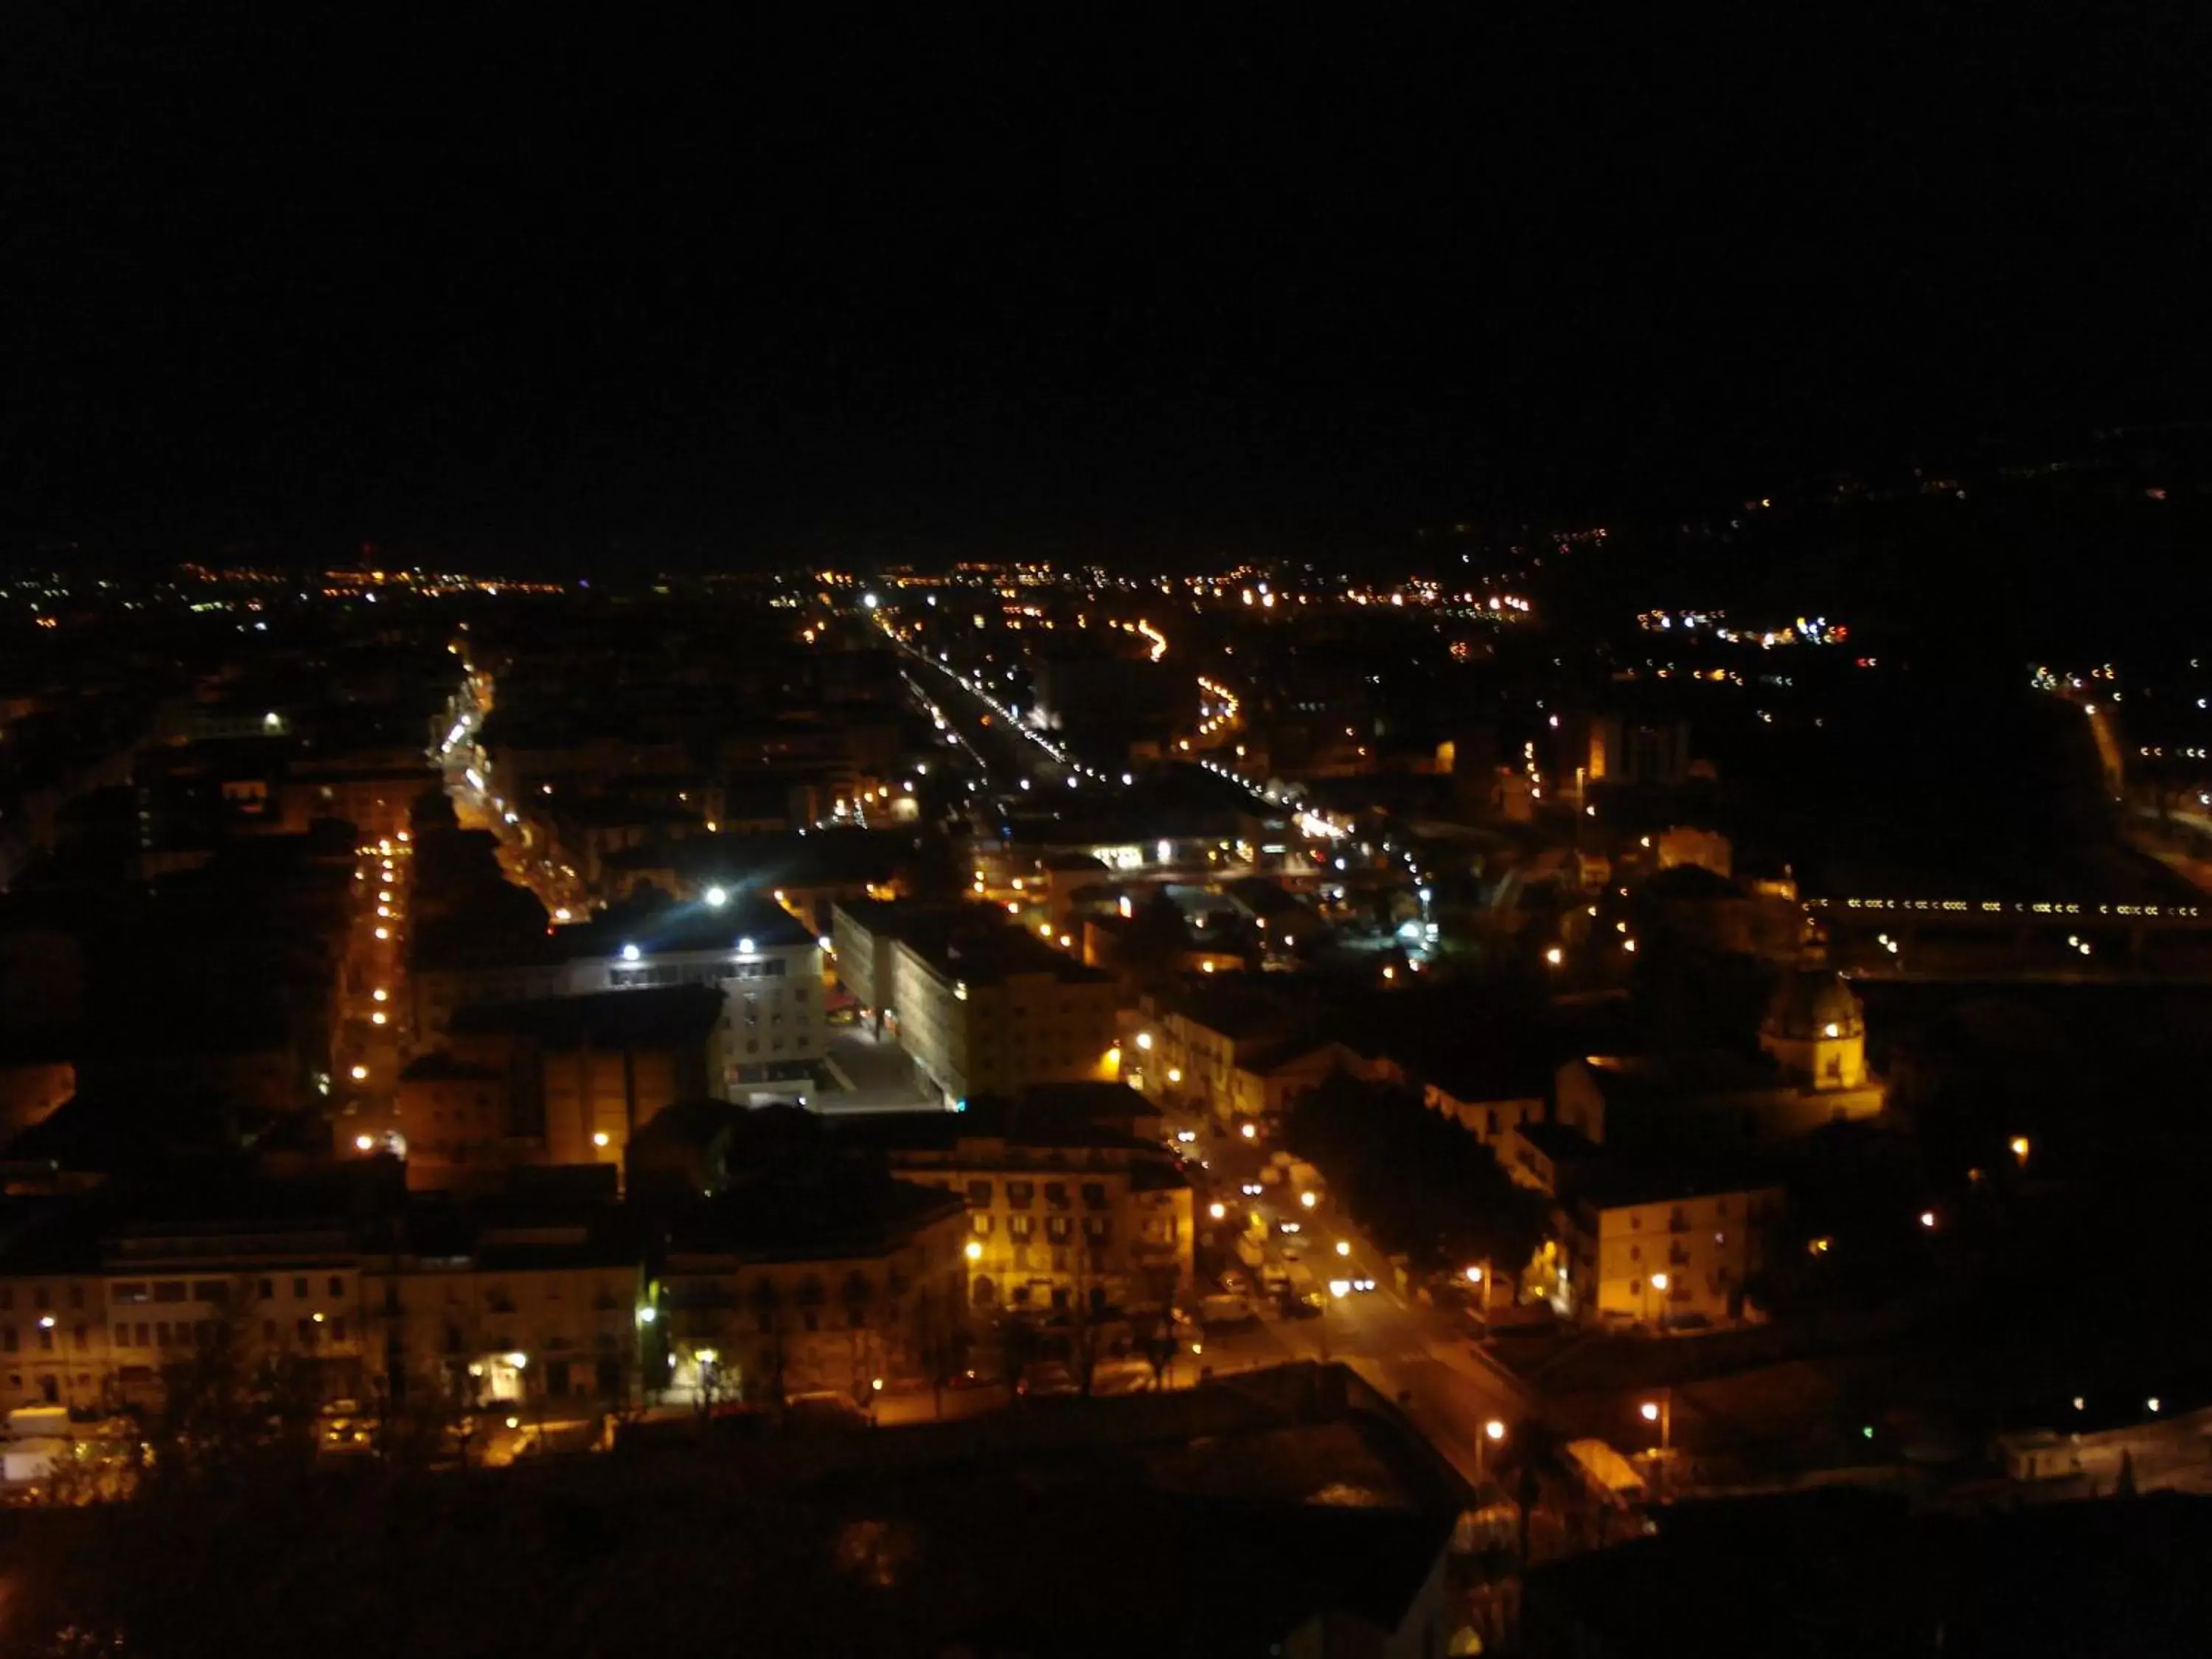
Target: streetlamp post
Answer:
pixel 1493 1430
pixel 1661 1411
pixel 1656 1282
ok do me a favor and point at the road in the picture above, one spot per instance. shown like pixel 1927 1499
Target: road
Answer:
pixel 1418 1354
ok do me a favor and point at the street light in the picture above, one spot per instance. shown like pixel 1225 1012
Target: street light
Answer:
pixel 1344 1247
pixel 975 1250
pixel 360 1073
pixel 1251 1132
pixel 1309 1199
pixel 1216 1210
pixel 1492 1433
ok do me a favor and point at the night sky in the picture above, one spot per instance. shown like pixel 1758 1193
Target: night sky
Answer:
pixel 1140 289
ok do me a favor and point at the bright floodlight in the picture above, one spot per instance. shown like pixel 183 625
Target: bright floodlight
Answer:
pixel 717 897
pixel 629 953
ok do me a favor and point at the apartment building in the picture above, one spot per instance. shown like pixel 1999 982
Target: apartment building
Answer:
pixel 90 1322
pixel 1061 1210
pixel 982 1007
pixel 547 1307
pixel 759 1297
pixel 1655 1249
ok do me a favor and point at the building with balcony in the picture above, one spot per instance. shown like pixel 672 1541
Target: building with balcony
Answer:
pixel 535 1310
pixel 1063 1207
pixel 843 1285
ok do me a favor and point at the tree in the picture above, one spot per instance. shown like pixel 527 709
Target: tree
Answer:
pixel 936 1337
pixel 769 1316
pixel 1417 1181
pixel 706 1334
pixel 858 1295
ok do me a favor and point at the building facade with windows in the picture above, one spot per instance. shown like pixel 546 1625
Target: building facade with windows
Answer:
pixel 982 1007
pixel 1056 1214
pixel 1653 1252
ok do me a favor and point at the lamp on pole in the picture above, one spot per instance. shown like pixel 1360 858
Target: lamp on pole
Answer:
pixel 1656 1282
pixel 1493 1430
pixel 1480 1277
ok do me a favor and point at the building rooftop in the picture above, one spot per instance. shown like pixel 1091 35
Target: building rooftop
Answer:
pixel 657 1017
pixel 656 924
pixel 825 1213
pixel 969 942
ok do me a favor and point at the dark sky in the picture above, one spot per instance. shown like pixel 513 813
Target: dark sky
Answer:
pixel 1130 288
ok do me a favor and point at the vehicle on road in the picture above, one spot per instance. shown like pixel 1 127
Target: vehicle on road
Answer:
pixel 1048 1379
pixel 1229 1308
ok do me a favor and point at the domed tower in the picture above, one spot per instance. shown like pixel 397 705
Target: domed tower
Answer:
pixel 1815 1028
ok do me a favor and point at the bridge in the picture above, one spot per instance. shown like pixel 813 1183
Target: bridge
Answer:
pixel 1928 938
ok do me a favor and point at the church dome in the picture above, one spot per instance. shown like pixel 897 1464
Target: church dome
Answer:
pixel 1812 1004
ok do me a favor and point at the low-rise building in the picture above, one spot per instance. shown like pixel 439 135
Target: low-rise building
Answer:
pixel 584 1073
pixel 838 1287
pixel 1186 1051
pixel 537 1310
pixel 1488 1094
pixel 768 963
pixel 1663 1247
pixel 456 1114
pixel 982 1007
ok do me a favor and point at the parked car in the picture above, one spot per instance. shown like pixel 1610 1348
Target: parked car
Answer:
pixel 1229 1308
pixel 1048 1379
